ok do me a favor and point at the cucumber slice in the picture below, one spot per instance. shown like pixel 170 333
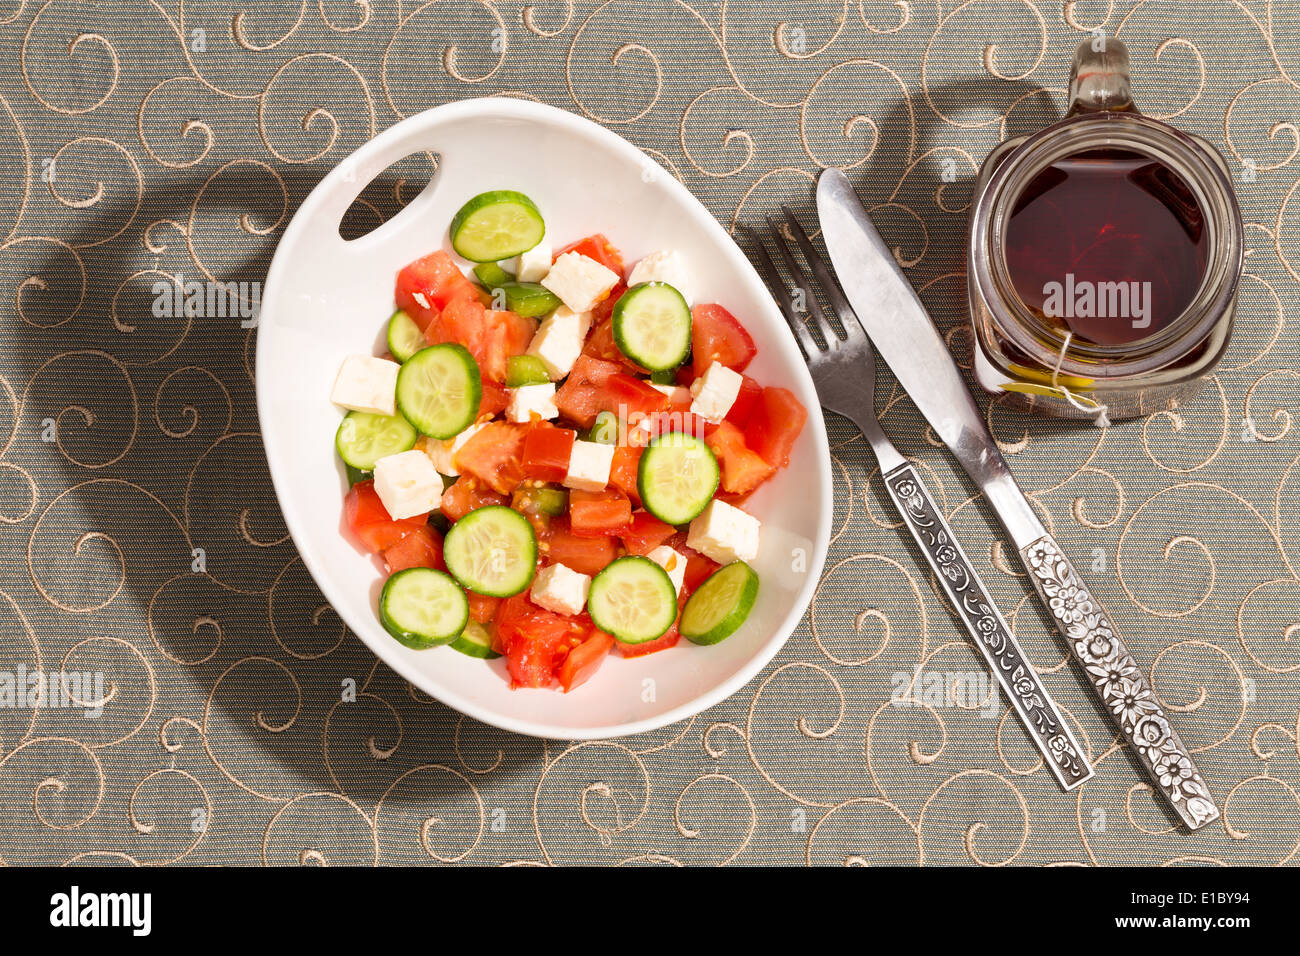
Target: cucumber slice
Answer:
pixel 491 276
pixel 677 477
pixel 492 551
pixel 496 225
pixel 404 336
pixel 475 641
pixel 364 437
pixel 604 429
pixel 439 390
pixel 720 605
pixel 633 599
pixel 423 608
pixel 652 325
pixel 524 370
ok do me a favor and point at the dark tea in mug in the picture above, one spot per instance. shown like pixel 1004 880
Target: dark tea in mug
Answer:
pixel 1107 244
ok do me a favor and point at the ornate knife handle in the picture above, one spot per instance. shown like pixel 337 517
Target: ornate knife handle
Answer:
pixel 999 647
pixel 1119 682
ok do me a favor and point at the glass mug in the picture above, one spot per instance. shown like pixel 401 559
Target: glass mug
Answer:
pixel 1103 257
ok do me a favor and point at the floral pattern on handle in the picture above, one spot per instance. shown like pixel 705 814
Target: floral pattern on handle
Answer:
pixel 1120 683
pixel 989 630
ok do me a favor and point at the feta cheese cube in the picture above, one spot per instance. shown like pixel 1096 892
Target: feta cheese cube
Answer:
pixel 443 453
pixel 408 484
pixel 559 588
pixel 366 384
pixel 666 265
pixel 715 392
pixel 671 561
pixel 589 464
pixel 724 533
pixel 580 282
pixel 559 340
pixel 532 266
pixel 530 400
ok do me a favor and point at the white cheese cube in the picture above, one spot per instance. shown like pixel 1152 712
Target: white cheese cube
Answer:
pixel 530 400
pixel 589 464
pixel 580 282
pixel 559 588
pixel 724 533
pixel 671 561
pixel 715 392
pixel 666 265
pixel 559 340
pixel 407 484
pixel 532 266
pixel 366 384
pixel 443 453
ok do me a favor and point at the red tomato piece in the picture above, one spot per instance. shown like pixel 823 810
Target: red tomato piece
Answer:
pixel 532 639
pixel 603 309
pixel 505 334
pixel 623 470
pixel 717 336
pixel 494 456
pixel 436 279
pixel 584 660
pixel 645 533
pixel 745 401
pixel 546 451
pixel 467 494
pixel 581 396
pixel 481 606
pixel 422 548
pixel 743 469
pixel 599 248
pixel 774 424
pixel 495 399
pixel 631 398
pixel 370 521
pixel 584 555
pixel 595 514
pixel 698 567
pixel 461 320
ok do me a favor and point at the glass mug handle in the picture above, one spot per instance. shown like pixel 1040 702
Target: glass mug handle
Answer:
pixel 1099 79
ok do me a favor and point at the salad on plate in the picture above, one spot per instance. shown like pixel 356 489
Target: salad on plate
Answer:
pixel 554 454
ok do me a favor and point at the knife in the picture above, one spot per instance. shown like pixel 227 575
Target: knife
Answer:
pixel 910 344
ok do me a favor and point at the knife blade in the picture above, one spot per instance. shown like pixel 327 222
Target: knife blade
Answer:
pixel 909 342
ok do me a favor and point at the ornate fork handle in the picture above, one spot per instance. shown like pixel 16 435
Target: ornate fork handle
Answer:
pixel 1119 681
pixel 988 630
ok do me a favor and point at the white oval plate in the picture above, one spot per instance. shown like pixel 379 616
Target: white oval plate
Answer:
pixel 326 298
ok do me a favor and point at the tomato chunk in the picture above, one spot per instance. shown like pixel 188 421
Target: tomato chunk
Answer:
pixel 717 336
pixel 623 470
pixel 494 456
pixel 422 548
pixel 370 521
pixel 598 513
pixel 743 469
pixel 745 401
pixel 599 248
pixel 584 660
pixel 632 398
pixel 495 399
pixel 645 533
pixel 481 606
pixel 505 334
pixel 580 398
pixel 546 451
pixel 532 639
pixel 467 494
pixel 584 555
pixel 774 424
pixel 436 279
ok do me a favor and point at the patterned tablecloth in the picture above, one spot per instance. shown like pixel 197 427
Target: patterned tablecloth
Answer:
pixel 148 141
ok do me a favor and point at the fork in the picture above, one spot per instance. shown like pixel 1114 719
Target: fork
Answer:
pixel 843 370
